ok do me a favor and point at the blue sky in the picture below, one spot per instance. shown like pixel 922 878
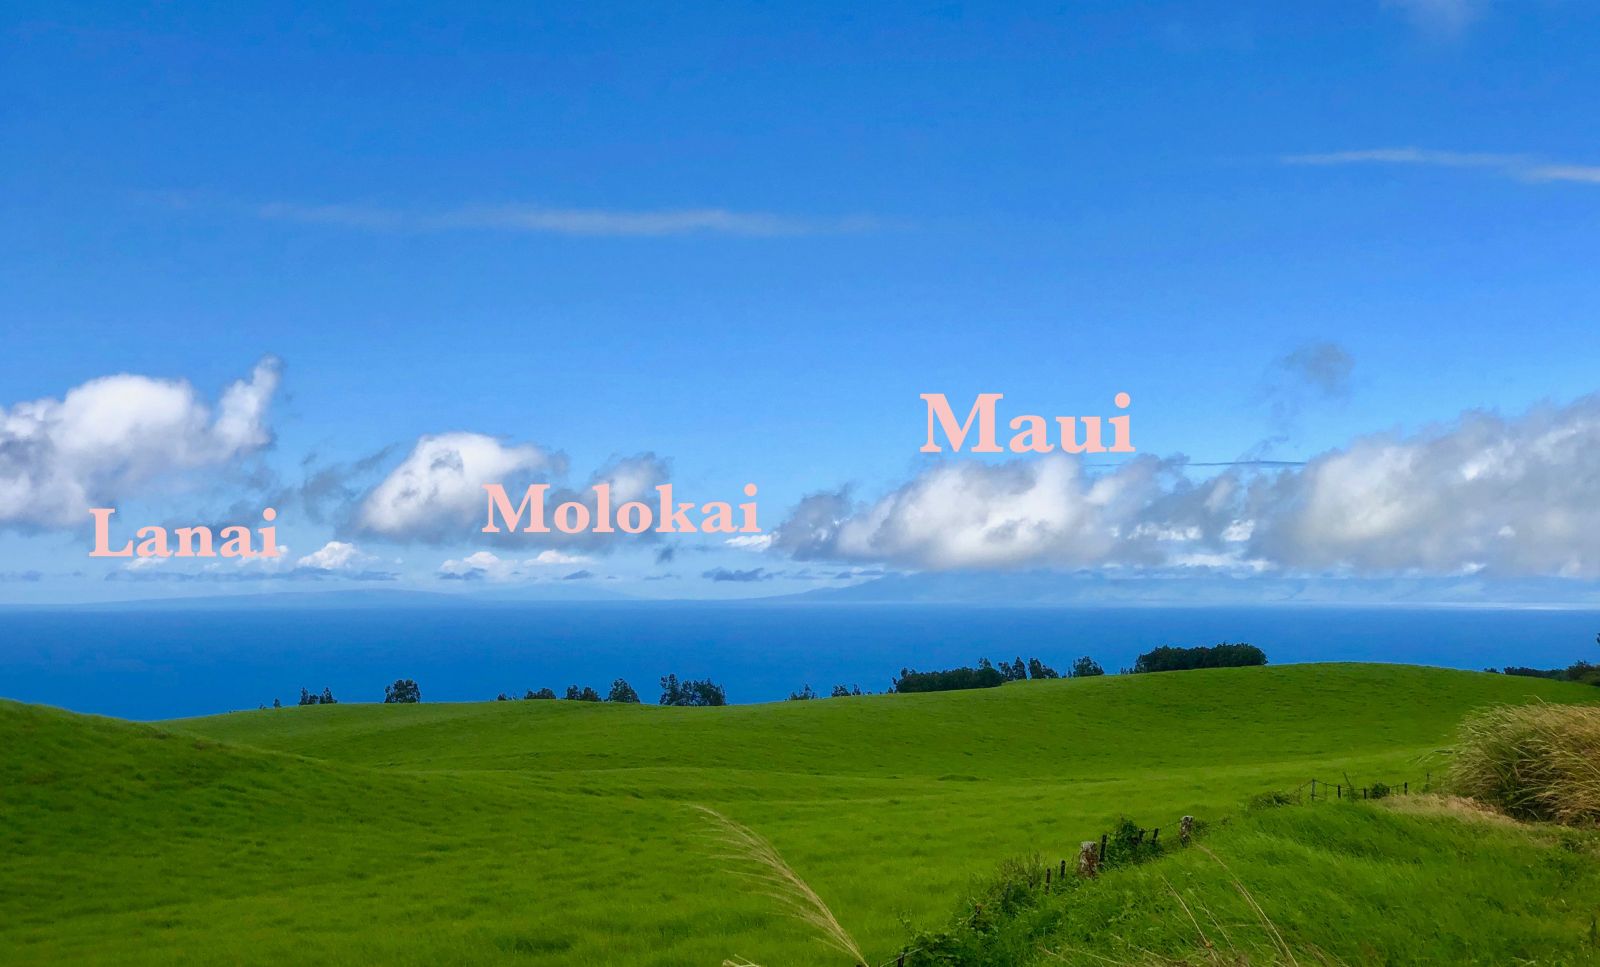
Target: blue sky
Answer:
pixel 745 240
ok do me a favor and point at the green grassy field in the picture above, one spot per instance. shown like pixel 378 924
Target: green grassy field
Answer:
pixel 561 832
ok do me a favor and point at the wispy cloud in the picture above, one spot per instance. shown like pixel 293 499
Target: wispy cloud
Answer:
pixel 563 221
pixel 1518 166
pixel 1441 18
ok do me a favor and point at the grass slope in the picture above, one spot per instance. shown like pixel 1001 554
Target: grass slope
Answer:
pixel 558 833
pixel 1418 880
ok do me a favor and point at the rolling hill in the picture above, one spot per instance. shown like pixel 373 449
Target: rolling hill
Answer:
pixel 561 833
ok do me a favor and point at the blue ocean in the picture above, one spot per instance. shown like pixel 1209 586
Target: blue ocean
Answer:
pixel 169 662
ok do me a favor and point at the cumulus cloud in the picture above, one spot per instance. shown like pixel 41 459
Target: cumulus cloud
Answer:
pixel 105 440
pixel 486 565
pixel 335 556
pixel 436 494
pixel 1481 494
pixel 437 490
pixel 738 576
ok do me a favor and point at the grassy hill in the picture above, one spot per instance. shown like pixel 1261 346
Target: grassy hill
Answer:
pixel 560 832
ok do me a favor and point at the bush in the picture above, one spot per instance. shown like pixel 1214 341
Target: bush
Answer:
pixel 1532 761
pixel 1268 800
pixel 1225 655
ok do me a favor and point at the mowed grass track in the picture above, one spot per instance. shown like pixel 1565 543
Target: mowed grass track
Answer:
pixel 559 832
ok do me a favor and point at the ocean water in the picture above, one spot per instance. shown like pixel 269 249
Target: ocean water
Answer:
pixel 169 662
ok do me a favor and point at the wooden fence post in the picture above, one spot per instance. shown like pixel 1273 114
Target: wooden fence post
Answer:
pixel 1313 790
pixel 1338 792
pixel 1102 847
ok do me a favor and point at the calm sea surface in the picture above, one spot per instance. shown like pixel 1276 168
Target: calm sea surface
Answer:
pixel 159 663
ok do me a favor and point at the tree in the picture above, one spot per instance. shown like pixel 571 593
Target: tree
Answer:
pixel 1038 669
pixel 804 695
pixel 541 693
pixel 277 704
pixel 1086 667
pixel 839 691
pixel 622 692
pixel 306 698
pixel 954 679
pixel 584 694
pixel 327 698
pixel 502 697
pixel 1168 658
pixel 691 692
pixel 403 692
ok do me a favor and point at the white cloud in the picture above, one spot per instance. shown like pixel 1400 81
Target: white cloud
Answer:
pixel 1485 493
pixel 106 439
pixel 335 556
pixel 1516 166
pixel 563 221
pixel 556 557
pixel 437 491
pixel 1442 18
pixel 750 542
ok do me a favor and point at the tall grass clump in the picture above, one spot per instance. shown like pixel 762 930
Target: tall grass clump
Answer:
pixel 771 873
pixel 1538 762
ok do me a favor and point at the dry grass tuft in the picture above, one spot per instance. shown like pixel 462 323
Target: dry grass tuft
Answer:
pixel 1454 807
pixel 779 881
pixel 1539 762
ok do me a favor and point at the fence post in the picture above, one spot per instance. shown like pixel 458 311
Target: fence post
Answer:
pixel 1063 869
pixel 1088 859
pixel 1156 836
pixel 1047 872
pixel 1313 790
pixel 1363 792
pixel 1102 847
pixel 1185 829
pixel 1405 788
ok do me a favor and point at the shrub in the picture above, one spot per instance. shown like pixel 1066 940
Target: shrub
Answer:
pixel 1532 761
pixel 1224 655
pixel 1379 790
pixel 1268 800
